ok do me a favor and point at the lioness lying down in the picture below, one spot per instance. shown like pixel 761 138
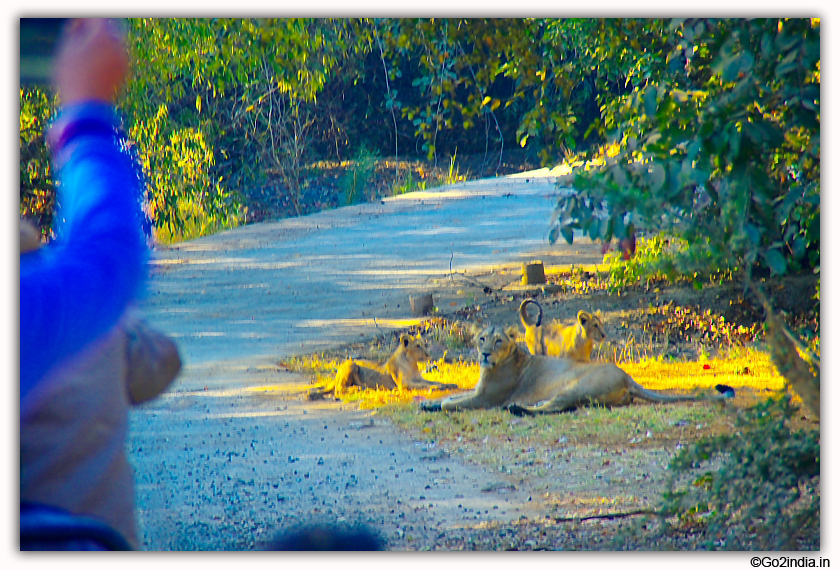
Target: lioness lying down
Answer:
pixel 531 384
pixel 400 370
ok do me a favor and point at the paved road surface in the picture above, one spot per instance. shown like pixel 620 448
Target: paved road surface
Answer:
pixel 231 456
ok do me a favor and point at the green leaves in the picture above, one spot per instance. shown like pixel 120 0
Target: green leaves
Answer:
pixel 767 480
pixel 775 261
pixel 722 150
pixel 650 101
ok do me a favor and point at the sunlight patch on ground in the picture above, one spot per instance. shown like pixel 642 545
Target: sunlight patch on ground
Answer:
pixel 228 393
pixel 285 412
pixel 396 323
pixel 752 370
pixel 400 272
pixel 204 334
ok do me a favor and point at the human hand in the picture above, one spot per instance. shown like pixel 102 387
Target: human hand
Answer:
pixel 91 63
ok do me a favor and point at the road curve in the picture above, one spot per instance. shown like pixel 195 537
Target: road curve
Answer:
pixel 230 456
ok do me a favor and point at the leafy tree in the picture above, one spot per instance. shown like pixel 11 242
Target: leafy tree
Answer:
pixel 37 188
pixel 215 106
pixel 718 144
pixel 243 88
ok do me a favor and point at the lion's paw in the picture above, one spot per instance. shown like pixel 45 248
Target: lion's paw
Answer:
pixel 518 410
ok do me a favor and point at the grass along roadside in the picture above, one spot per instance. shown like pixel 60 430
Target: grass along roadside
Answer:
pixel 742 369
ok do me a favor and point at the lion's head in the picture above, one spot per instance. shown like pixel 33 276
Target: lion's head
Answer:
pixel 414 348
pixel 593 328
pixel 494 345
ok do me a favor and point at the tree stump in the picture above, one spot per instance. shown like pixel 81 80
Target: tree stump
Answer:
pixel 533 273
pixel 421 305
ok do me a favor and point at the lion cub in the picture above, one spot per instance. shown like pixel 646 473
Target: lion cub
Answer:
pixel 534 334
pixel 399 371
pixel 573 341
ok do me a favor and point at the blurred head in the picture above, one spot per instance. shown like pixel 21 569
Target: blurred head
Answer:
pixel 328 538
pixel 91 63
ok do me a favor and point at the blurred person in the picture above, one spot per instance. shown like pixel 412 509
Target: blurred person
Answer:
pixel 74 290
pixel 84 359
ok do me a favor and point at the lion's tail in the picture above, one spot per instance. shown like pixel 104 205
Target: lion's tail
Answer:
pixel 639 391
pixel 523 314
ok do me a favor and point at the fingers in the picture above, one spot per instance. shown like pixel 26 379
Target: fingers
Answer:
pixel 92 61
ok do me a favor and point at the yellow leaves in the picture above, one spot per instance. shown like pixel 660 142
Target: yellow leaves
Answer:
pixel 680 95
pixel 612 149
pixel 494 103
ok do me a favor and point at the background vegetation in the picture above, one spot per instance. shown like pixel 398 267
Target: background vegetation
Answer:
pixel 712 125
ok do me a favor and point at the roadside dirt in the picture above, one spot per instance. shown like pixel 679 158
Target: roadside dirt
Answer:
pixel 233 456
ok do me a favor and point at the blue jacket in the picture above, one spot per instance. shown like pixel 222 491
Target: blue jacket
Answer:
pixel 74 290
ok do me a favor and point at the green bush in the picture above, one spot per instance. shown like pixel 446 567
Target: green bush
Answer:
pixel 355 184
pixel 766 494
pixel 185 201
pixel 653 256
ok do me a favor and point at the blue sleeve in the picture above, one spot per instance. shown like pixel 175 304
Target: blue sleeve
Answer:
pixel 76 289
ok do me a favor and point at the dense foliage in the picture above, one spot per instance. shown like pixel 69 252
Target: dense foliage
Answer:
pixel 718 143
pixel 714 123
pixel 37 188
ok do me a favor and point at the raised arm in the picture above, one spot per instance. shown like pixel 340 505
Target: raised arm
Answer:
pixel 76 289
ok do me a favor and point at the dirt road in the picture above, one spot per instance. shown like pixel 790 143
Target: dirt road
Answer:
pixel 231 456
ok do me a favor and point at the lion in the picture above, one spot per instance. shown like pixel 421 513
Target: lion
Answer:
pixel 399 371
pixel 527 384
pixel 573 341
pixel 534 333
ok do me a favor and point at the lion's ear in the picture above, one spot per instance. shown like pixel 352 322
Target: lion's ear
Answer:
pixel 476 331
pixel 512 332
pixel 405 339
pixel 583 316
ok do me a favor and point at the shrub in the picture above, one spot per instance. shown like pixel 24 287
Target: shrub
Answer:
pixel 356 182
pixel 766 494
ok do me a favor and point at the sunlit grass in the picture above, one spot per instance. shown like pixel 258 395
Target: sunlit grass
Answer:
pixel 197 223
pixel 748 369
